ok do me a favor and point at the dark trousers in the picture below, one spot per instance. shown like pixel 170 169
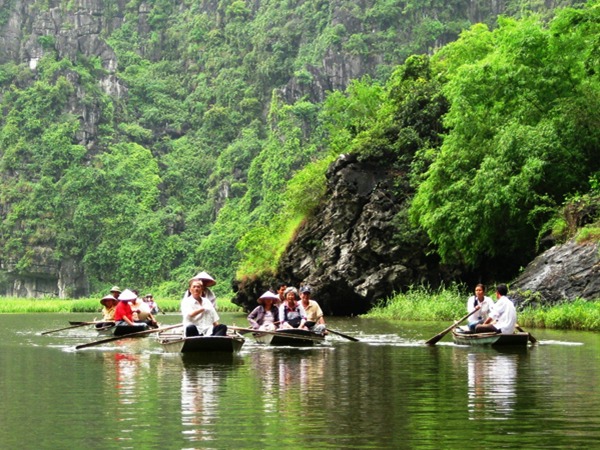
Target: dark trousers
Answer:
pixel 219 330
pixel 487 328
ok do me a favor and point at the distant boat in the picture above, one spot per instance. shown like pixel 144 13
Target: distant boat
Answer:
pixel 461 337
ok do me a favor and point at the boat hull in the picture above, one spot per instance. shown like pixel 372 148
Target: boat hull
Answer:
pixel 493 339
pixel 123 330
pixel 202 344
pixel 292 337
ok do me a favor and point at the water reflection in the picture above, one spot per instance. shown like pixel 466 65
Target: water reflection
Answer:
pixel 290 379
pixel 201 386
pixel 492 381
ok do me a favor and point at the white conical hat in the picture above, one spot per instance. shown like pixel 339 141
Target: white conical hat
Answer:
pixel 206 279
pixel 268 294
pixel 127 295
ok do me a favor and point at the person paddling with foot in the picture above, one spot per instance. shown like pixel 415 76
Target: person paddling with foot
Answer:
pixel 199 316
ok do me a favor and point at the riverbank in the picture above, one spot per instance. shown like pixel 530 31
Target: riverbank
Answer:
pixel 449 304
pixel 12 305
pixel 418 304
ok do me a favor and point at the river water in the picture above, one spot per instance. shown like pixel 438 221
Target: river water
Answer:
pixel 387 391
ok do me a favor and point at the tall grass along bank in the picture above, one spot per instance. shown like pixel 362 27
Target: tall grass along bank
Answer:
pixel 421 304
pixel 13 305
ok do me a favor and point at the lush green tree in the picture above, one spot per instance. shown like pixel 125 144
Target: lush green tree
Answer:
pixel 512 153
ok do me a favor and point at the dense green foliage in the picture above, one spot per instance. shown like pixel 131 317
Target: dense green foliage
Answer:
pixel 522 134
pixel 204 164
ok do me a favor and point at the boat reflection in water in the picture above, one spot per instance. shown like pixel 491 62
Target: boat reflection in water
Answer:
pixel 201 384
pixel 491 385
pixel 290 379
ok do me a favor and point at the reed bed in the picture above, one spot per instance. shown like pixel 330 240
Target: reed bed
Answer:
pixel 420 303
pixel 13 305
pixel 447 304
pixel 579 314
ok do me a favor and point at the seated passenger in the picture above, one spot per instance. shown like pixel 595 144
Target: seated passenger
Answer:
pixel 483 302
pixel 291 313
pixel 265 317
pixel 503 315
pixel 124 313
pixel 142 313
pixel 314 315
pixel 199 316
pixel 109 305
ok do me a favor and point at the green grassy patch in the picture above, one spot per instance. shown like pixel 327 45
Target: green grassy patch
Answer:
pixel 421 304
pixel 13 305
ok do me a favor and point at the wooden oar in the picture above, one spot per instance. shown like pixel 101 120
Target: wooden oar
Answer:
pixel 440 335
pixel 353 339
pixel 116 338
pixel 531 338
pixel 81 324
pixel 316 337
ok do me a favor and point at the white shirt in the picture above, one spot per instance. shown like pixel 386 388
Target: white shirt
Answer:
pixel 203 321
pixel 486 304
pixel 207 293
pixel 505 315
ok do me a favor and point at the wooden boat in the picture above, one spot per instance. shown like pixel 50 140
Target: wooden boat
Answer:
pixel 201 344
pixel 293 337
pixel 122 330
pixel 461 337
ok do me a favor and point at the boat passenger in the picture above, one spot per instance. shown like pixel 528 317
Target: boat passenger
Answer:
pixel 115 291
pixel 207 281
pixel 265 317
pixel 143 313
pixel 199 316
pixel 315 321
pixel 481 302
pixel 149 299
pixel 291 313
pixel 124 313
pixel 281 287
pixel 109 305
pixel 503 315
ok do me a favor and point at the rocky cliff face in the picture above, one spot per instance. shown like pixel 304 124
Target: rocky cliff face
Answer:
pixel 349 251
pixel 72 32
pixel 563 272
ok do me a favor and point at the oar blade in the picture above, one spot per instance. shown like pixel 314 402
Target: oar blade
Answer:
pixel 529 335
pixel 434 340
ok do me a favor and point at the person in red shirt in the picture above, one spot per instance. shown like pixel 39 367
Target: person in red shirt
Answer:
pixel 124 313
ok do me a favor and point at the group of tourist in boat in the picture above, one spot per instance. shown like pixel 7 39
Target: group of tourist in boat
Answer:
pixel 287 310
pixel 490 316
pixel 127 309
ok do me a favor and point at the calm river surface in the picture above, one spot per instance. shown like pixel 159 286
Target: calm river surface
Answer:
pixel 387 391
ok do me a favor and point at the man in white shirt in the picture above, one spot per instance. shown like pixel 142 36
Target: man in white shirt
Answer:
pixel 199 316
pixel 503 315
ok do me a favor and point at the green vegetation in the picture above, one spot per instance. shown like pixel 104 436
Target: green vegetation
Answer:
pixel 206 165
pixel 92 306
pixel 448 304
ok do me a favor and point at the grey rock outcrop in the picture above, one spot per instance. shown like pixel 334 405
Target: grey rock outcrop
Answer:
pixel 349 251
pixel 563 272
